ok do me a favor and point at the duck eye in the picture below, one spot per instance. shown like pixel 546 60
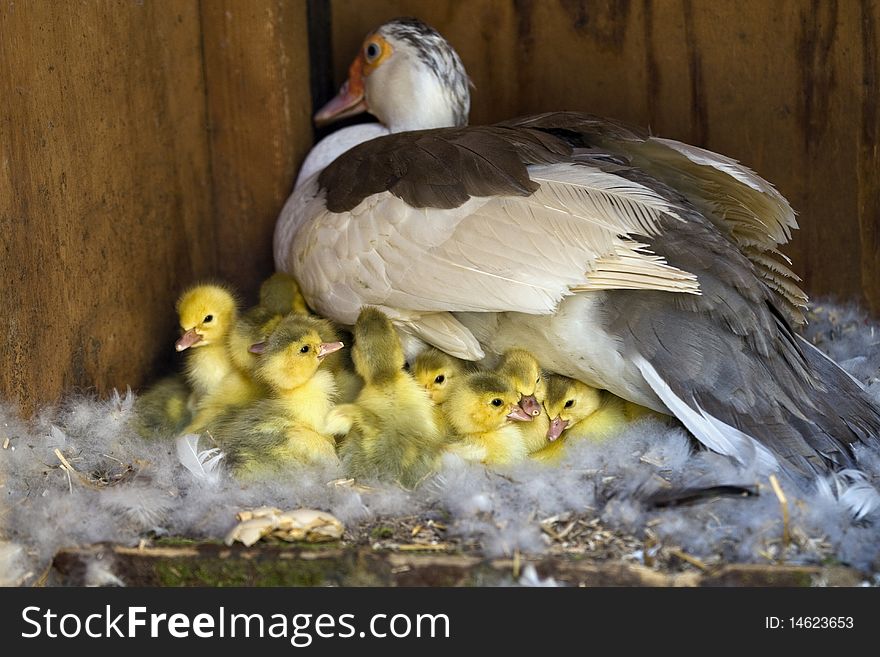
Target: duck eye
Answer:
pixel 304 350
pixel 372 51
pixel 208 318
pixel 439 378
pixel 497 402
pixel 569 403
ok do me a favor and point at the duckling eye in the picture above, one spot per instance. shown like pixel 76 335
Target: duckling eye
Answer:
pixel 497 402
pixel 439 378
pixel 208 318
pixel 304 350
pixel 569 403
pixel 372 51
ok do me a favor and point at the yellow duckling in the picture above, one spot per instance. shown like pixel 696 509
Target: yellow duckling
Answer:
pixel 393 434
pixel 436 371
pixel 281 295
pixel 207 314
pixel 523 372
pixel 163 410
pixel 290 425
pixel 578 411
pixel 478 412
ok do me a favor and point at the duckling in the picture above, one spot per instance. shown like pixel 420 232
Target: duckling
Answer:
pixel 291 424
pixel 479 411
pixel 207 314
pixel 578 411
pixel 436 371
pixel 162 409
pixel 394 435
pixel 522 370
pixel 280 294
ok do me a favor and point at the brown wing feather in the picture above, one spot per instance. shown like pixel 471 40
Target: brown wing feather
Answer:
pixel 441 168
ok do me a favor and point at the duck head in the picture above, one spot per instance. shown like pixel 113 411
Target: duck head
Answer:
pixel 568 402
pixel 407 76
pixel 292 353
pixel 524 373
pixel 206 313
pixel 436 372
pixel 482 402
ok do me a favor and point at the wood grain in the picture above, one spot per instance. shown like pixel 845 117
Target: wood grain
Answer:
pixel 259 108
pixel 145 146
pixel 787 87
pixel 104 191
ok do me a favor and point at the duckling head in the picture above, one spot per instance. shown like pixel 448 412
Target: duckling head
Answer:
pixel 568 401
pixel 206 314
pixel 482 402
pixel 376 353
pixel 280 294
pixel 524 373
pixel 293 352
pixel 435 371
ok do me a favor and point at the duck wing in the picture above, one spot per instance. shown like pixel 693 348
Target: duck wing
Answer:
pixel 744 207
pixel 458 220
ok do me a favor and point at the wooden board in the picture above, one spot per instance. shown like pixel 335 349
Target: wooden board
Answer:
pixel 145 146
pixel 788 87
pixel 259 108
pixel 105 202
pixel 209 564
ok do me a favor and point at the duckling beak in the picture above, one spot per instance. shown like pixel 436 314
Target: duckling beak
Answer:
pixel 187 340
pixel 349 101
pixel 517 413
pixel 257 348
pixel 557 426
pixel 530 405
pixel 326 348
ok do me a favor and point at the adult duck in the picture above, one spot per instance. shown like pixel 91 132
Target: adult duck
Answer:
pixel 640 265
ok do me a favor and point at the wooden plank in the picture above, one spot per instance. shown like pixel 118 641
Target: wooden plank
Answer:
pixel 209 564
pixel 788 87
pixel 259 107
pixel 105 202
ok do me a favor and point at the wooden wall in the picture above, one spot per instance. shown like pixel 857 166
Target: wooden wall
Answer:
pixel 146 145
pixel 143 146
pixel 789 87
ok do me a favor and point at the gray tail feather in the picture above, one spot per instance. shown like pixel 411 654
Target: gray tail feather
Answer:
pixel 842 410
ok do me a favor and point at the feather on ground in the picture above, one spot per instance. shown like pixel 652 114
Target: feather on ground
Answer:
pixel 116 486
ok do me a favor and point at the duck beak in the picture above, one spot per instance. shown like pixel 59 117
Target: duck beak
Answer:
pixel 530 405
pixel 187 340
pixel 557 426
pixel 350 99
pixel 517 413
pixel 326 348
pixel 257 348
